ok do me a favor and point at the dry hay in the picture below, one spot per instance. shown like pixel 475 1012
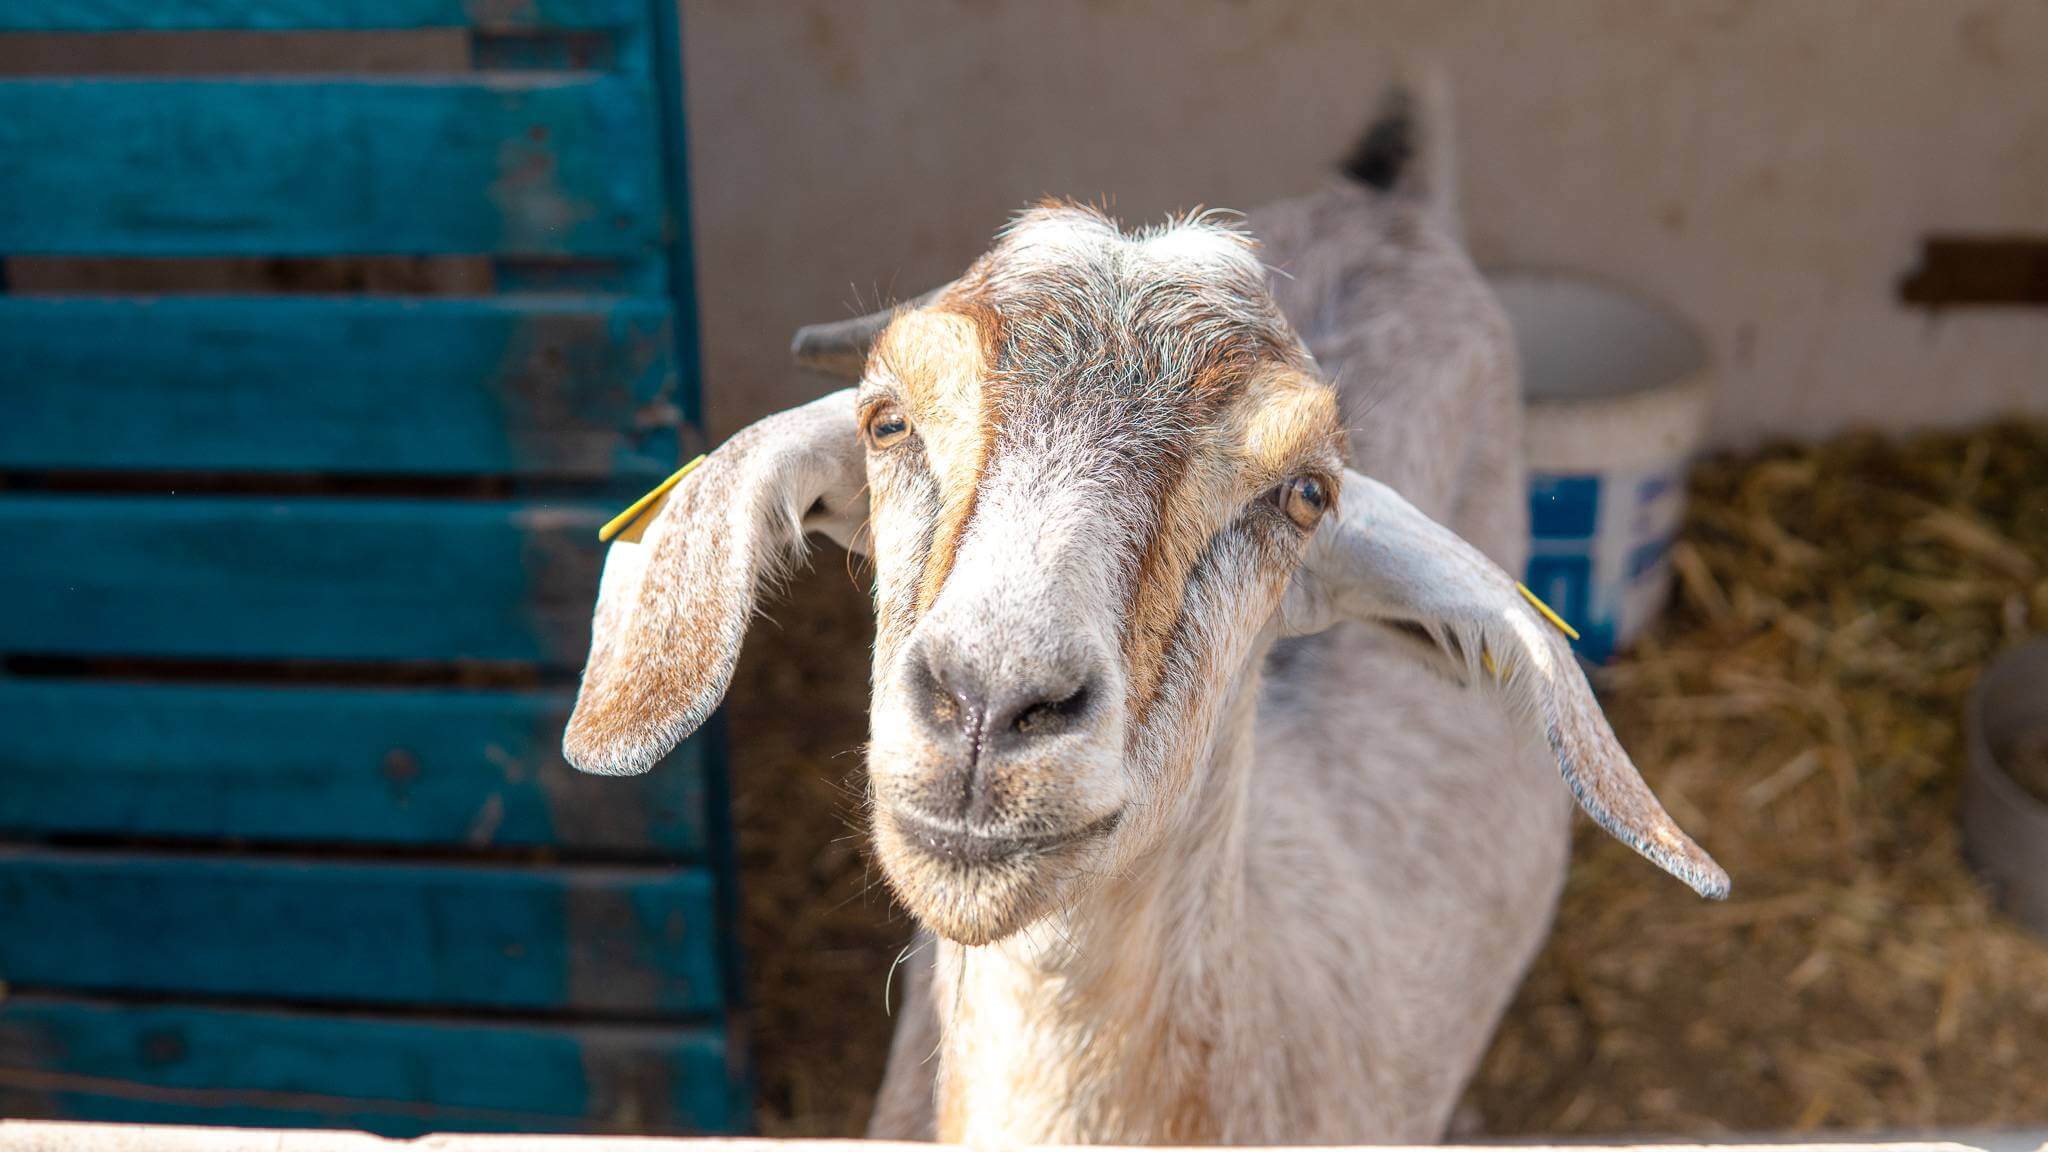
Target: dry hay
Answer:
pixel 816 929
pixel 1799 709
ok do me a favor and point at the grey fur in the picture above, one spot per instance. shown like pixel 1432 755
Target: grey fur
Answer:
pixel 1323 873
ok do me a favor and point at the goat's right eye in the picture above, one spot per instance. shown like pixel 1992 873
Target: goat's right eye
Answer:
pixel 1304 499
pixel 885 426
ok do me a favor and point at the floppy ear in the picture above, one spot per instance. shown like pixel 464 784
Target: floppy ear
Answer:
pixel 676 598
pixel 1381 560
pixel 840 349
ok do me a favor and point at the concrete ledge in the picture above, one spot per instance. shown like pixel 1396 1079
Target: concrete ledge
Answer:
pixel 49 1136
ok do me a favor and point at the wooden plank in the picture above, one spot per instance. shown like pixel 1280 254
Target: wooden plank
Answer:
pixel 512 163
pixel 58 1136
pixel 559 386
pixel 290 15
pixel 671 101
pixel 413 767
pixel 178 1064
pixel 617 939
pixel 252 578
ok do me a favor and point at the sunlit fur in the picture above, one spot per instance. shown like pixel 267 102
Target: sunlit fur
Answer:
pixel 1260 889
pixel 1213 971
pixel 1100 421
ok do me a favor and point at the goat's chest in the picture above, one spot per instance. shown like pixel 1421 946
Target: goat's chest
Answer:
pixel 1233 1049
pixel 1031 1058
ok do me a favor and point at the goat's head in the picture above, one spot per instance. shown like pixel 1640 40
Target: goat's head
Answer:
pixel 1099 475
pixel 1093 462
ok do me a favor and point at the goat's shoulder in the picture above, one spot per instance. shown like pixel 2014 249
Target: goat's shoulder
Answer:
pixel 1404 853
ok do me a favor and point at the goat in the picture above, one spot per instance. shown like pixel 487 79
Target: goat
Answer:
pixel 1198 854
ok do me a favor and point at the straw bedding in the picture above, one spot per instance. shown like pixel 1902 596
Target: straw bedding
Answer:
pixel 1799 710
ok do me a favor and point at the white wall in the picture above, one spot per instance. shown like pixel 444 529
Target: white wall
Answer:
pixel 1768 168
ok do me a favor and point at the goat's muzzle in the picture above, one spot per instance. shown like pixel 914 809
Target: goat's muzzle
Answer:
pixel 998 779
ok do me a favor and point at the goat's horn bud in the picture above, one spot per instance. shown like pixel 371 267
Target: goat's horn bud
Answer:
pixel 840 349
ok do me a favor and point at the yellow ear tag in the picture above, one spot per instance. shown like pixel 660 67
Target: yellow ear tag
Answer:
pixel 628 525
pixel 1537 603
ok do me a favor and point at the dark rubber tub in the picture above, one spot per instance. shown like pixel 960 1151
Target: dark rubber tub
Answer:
pixel 2005 829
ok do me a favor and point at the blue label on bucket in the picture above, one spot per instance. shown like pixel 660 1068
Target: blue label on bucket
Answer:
pixel 1564 507
pixel 1563 582
pixel 1599 549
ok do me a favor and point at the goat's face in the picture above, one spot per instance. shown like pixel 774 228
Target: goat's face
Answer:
pixel 1092 464
pixel 1097 476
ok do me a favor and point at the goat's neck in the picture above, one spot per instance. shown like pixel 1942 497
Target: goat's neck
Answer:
pixel 1101 1025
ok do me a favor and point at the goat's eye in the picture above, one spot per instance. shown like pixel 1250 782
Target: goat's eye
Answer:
pixel 1304 499
pixel 886 425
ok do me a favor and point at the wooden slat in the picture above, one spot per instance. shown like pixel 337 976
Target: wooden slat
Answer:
pixel 285 15
pixel 251 578
pixel 616 939
pixel 81 1060
pixel 523 164
pixel 413 767
pixel 58 1136
pixel 547 387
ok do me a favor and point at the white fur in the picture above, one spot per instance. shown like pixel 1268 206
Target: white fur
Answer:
pixel 1269 887
pixel 1365 860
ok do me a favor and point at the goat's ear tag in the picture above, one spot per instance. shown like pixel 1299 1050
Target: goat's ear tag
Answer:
pixel 1549 614
pixel 630 524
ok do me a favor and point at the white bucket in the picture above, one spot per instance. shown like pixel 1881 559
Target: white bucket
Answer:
pixel 1616 390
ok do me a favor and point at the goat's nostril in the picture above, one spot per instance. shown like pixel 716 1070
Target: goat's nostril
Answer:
pixel 1051 717
pixel 945 701
pixel 947 709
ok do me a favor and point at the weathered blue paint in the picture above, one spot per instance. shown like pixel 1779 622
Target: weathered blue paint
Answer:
pixel 71 1059
pixel 660 46
pixel 287 15
pixel 512 386
pixel 619 939
pixel 560 160
pixel 253 578
pixel 275 764
pixel 513 163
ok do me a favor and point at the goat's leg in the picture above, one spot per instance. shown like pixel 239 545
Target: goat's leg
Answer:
pixel 905 1108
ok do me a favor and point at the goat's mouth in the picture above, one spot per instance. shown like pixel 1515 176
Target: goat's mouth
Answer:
pixel 965 847
pixel 977 888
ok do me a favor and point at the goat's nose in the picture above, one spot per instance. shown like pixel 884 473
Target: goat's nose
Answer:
pixel 979 714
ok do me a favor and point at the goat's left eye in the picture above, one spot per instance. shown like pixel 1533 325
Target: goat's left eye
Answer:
pixel 1304 499
pixel 886 425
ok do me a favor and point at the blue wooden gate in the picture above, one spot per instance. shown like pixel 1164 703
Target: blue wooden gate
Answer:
pixel 294 588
